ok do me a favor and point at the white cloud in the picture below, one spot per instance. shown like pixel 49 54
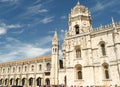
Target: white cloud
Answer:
pixel 62 30
pixel 18 32
pixel 34 9
pixel 37 1
pixel 45 40
pixel 13 2
pixel 4 27
pixel 18 50
pixel 33 51
pixel 8 0
pixel 2 31
pixel 10 39
pixel 63 17
pixel 62 34
pixel 47 20
pixel 10 26
pixel 43 10
pixel 101 5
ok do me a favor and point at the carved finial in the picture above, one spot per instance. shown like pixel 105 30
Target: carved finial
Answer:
pixel 55 35
pixel 113 23
pixel 78 3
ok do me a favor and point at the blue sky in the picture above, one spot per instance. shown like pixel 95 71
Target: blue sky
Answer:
pixel 27 26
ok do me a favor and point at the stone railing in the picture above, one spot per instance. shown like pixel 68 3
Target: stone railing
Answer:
pixel 105 27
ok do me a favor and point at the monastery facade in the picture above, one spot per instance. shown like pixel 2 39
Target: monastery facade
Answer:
pixel 90 57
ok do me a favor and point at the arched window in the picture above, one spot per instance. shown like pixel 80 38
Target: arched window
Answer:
pixel 30 81
pixel 80 74
pixel 53 49
pixel 17 81
pixel 13 69
pixel 25 68
pixel 23 81
pixel 106 70
pixel 8 70
pixel 39 81
pixel 40 67
pixel 103 48
pixel 48 66
pixel 0 81
pixel 78 71
pixel 19 69
pixel 11 81
pixel 47 81
pixel 78 51
pixel 3 70
pixel 6 81
pixel 32 68
pixel 77 29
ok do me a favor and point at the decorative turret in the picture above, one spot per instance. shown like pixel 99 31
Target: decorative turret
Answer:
pixel 55 60
pixel 114 26
pixel 79 20
pixel 55 40
pixel 113 23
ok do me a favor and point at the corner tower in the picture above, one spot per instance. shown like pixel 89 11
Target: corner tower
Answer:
pixel 55 60
pixel 79 20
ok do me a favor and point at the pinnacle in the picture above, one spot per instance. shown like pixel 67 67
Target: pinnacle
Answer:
pixel 113 23
pixel 112 19
pixel 78 3
pixel 55 36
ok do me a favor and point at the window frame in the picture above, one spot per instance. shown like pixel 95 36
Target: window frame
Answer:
pixel 106 71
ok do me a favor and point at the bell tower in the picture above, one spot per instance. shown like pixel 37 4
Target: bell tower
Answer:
pixel 79 20
pixel 55 60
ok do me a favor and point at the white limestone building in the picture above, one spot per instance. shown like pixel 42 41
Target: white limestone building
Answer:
pixel 90 57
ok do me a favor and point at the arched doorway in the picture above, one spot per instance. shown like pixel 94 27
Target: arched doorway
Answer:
pixel 17 81
pixel 6 81
pixel 11 81
pixel 31 81
pixel 0 81
pixel 39 81
pixel 47 81
pixel 23 81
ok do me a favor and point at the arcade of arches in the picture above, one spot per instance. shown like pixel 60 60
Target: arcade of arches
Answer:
pixel 24 81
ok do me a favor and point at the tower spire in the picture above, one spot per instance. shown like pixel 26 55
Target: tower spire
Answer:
pixel 78 3
pixel 55 40
pixel 55 36
pixel 113 23
pixel 55 59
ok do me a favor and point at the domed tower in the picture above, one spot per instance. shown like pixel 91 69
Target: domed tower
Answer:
pixel 76 47
pixel 55 60
pixel 79 20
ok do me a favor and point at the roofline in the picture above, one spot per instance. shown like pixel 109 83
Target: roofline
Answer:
pixel 26 60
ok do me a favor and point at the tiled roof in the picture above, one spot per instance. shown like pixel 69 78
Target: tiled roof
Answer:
pixel 26 60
